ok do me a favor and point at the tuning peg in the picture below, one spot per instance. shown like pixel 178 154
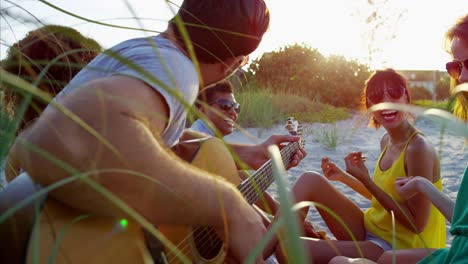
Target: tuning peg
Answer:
pixel 289 124
pixel 295 125
pixel 300 129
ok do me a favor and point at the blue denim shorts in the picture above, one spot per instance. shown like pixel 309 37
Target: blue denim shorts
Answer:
pixel 378 241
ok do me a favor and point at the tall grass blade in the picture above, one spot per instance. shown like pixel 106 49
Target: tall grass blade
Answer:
pixel 107 194
pixel 35 233
pixel 26 87
pixel 94 21
pixel 276 225
pixel 61 234
pixel 293 244
pixel 393 238
pixel 442 117
pixel 303 204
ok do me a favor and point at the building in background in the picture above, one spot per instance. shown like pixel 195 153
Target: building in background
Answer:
pixel 423 79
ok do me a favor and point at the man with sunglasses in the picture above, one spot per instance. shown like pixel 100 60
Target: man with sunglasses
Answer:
pixel 219 107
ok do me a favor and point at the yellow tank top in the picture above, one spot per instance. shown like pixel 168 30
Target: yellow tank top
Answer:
pixel 379 222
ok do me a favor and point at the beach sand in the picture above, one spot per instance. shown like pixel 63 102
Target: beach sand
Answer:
pixel 353 135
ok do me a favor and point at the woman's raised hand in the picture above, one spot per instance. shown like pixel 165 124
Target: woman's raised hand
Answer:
pixel 408 187
pixel 355 165
pixel 331 171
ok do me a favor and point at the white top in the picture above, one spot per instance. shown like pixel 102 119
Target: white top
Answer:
pixel 159 63
pixel 200 126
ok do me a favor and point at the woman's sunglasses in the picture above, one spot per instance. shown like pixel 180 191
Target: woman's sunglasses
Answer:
pixel 454 68
pixel 227 105
pixel 377 95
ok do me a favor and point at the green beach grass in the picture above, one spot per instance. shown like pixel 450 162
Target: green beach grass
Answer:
pixel 263 109
pixel 445 105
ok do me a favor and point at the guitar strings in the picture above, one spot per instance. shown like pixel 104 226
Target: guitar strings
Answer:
pixel 208 235
pixel 251 190
pixel 259 179
pixel 288 150
pixel 262 182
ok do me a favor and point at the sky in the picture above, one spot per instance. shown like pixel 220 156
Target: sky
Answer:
pixel 410 36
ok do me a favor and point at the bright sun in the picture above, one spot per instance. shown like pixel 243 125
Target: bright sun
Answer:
pixel 407 36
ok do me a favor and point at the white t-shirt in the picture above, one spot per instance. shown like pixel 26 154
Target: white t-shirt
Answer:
pixel 163 65
pixel 200 126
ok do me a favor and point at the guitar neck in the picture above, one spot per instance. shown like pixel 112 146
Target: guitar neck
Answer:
pixel 256 184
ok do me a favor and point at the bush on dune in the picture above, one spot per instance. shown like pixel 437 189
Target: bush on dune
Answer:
pixel 300 69
pixel 262 109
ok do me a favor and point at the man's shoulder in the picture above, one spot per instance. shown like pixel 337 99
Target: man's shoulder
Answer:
pixel 120 85
pixel 149 48
pixel 156 57
pixel 126 95
pixel 142 42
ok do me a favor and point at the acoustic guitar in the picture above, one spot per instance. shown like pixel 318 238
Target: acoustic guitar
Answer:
pixel 66 235
pixel 201 244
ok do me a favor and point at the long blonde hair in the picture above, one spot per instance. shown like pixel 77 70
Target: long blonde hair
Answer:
pixel 458 30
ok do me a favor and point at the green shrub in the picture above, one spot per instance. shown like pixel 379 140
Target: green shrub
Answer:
pixel 257 110
pixel 302 70
pixel 263 109
pixel 433 104
pixel 327 134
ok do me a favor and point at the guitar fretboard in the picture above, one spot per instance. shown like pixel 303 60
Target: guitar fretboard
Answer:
pixel 256 184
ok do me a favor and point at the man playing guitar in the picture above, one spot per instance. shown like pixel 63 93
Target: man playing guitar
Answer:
pixel 116 121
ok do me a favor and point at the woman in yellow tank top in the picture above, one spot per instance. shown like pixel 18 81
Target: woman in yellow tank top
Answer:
pixel 405 153
pixel 456 213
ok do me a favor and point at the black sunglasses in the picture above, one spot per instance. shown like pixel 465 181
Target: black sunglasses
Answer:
pixel 227 105
pixel 377 95
pixel 454 68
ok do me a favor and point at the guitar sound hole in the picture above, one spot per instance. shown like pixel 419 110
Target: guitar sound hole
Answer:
pixel 207 242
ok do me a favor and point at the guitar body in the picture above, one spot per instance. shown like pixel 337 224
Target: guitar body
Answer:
pixel 69 236
pixel 90 240
pixel 210 155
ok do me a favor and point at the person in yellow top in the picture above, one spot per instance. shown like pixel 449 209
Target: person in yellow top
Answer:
pixel 378 221
pixel 456 213
pixel 405 153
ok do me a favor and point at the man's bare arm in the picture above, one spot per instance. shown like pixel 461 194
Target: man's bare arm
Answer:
pixel 122 110
pixel 254 156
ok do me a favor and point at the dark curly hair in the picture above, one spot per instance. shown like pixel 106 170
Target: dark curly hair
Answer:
pixel 70 52
pixel 208 95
